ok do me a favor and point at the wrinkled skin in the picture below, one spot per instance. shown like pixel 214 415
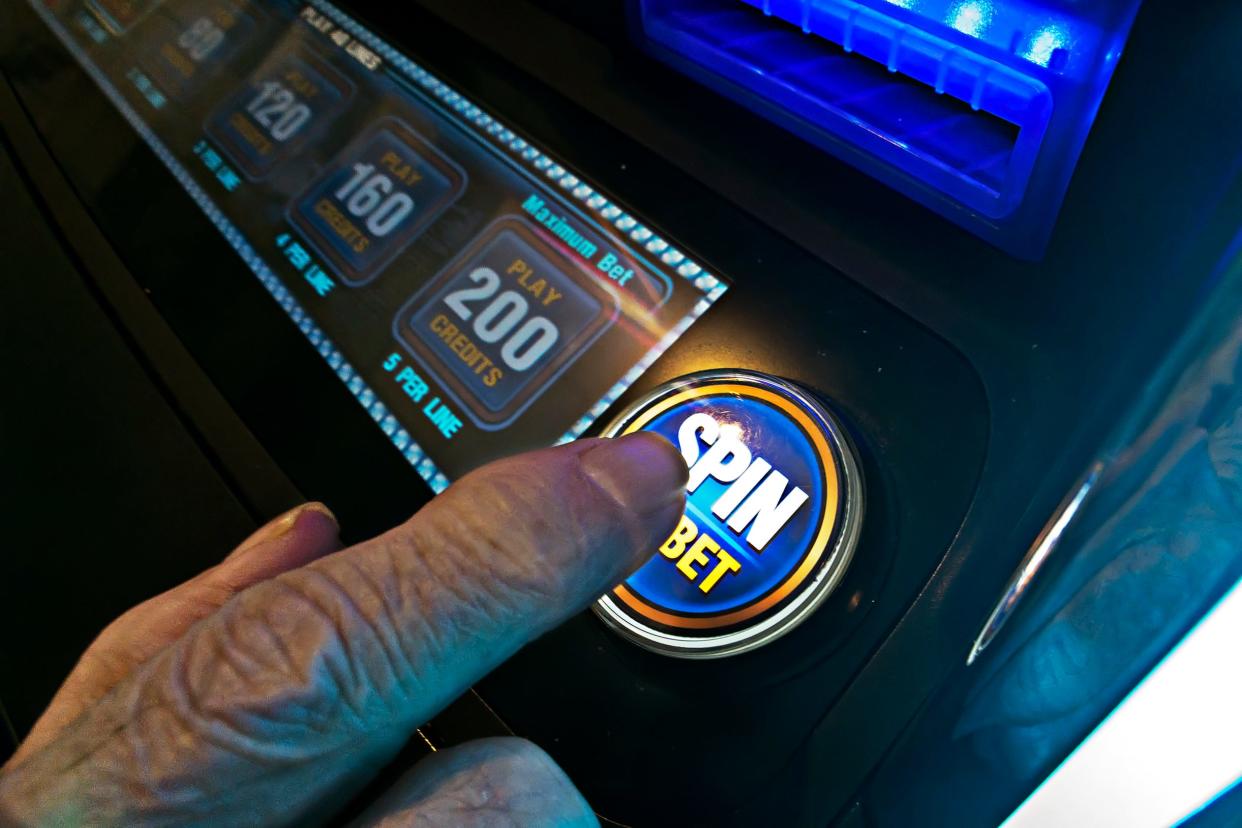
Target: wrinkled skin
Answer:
pixel 270 688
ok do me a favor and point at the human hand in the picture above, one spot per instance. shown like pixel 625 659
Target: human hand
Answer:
pixel 268 689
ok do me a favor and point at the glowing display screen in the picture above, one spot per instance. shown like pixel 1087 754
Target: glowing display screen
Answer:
pixel 475 295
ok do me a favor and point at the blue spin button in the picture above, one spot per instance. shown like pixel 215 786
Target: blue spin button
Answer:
pixel 773 509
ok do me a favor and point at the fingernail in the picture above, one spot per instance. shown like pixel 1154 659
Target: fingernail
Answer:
pixel 280 526
pixel 642 472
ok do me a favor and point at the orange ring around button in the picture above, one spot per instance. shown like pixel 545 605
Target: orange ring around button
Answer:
pixel 809 564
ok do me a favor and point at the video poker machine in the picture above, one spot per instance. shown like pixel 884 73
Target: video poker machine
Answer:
pixel 938 299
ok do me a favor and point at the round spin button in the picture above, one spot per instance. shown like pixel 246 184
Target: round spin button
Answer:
pixel 773 509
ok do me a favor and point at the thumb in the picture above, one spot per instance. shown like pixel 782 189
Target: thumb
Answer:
pixel 485 782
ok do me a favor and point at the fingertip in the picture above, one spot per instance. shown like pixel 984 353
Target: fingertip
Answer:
pixel 645 475
pixel 642 472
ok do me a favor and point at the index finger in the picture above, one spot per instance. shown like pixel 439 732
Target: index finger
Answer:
pixel 503 555
pixel 288 696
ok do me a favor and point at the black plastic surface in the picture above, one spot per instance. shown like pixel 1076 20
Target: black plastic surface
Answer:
pixel 1151 548
pixel 107 497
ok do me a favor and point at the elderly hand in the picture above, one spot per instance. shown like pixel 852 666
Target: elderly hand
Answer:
pixel 270 688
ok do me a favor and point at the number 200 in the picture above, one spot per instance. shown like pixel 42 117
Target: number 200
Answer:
pixel 523 344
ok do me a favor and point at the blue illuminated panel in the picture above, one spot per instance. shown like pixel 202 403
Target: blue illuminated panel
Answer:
pixel 976 108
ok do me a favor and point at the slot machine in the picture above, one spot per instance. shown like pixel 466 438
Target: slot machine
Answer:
pixel 938 299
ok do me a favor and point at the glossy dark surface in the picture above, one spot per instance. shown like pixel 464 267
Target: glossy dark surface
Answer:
pixel 89 451
pixel 1154 546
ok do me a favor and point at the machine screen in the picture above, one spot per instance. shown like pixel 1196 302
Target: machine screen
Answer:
pixel 473 294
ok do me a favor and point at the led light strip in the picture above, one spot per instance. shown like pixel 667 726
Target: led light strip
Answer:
pixel 487 128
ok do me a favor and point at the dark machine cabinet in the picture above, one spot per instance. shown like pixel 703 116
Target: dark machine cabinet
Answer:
pixel 160 388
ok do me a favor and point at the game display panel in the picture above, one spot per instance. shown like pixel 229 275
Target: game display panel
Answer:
pixel 474 295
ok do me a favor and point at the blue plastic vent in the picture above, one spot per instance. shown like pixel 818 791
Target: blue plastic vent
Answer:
pixel 977 108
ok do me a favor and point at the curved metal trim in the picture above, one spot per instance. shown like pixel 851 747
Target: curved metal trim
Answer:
pixel 1045 544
